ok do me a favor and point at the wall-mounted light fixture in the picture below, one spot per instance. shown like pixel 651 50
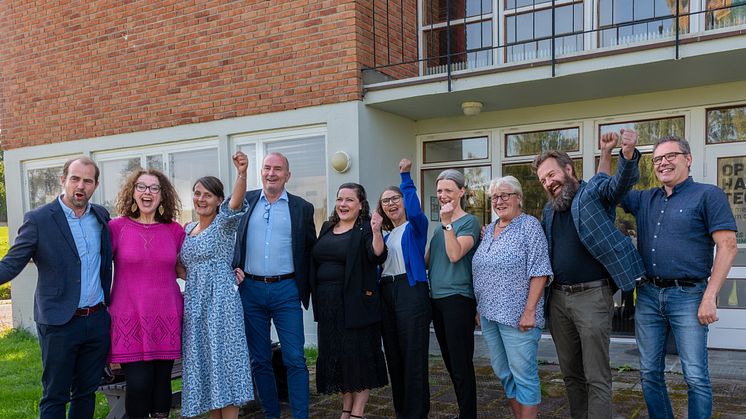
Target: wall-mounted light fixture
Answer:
pixel 341 161
pixel 471 108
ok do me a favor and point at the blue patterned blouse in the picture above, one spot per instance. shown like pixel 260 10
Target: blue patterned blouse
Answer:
pixel 503 267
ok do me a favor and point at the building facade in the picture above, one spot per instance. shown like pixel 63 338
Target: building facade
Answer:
pixel 181 85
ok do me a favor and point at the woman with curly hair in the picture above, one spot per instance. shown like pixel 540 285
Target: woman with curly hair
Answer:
pixel 346 302
pixel 146 303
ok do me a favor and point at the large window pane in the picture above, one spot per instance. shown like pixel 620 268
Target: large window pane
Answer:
pixel 527 33
pixel 437 11
pixel 477 198
pixel 456 150
pixel 113 174
pixel 726 125
pixel 649 131
pixel 470 46
pixel 186 167
pixel 528 143
pixel 534 196
pixel 252 177
pixel 724 13
pixel 620 17
pixel 307 159
pixel 43 185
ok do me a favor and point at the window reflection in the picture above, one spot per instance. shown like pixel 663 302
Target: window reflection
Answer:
pixel 460 149
pixel 619 16
pixel 470 46
pixel 733 294
pixel 437 11
pixel 724 13
pixel 527 33
pixel 649 131
pixel 477 196
pixel 43 185
pixel 726 125
pixel 528 143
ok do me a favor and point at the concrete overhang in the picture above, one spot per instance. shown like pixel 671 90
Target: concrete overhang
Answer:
pixel 590 75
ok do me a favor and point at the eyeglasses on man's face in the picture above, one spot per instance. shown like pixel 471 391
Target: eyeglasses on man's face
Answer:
pixel 391 200
pixel 502 196
pixel 141 187
pixel 670 157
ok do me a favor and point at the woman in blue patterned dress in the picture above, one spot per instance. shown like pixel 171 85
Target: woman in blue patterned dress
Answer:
pixel 510 269
pixel 216 372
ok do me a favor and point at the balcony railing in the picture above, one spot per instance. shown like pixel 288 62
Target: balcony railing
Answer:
pixel 402 50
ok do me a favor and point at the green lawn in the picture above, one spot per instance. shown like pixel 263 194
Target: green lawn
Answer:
pixel 20 377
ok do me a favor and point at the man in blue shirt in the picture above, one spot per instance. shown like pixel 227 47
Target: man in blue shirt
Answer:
pixel 69 242
pixel 273 248
pixel 676 294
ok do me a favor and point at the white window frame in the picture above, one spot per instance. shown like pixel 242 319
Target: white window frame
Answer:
pixel 261 139
pixel 40 164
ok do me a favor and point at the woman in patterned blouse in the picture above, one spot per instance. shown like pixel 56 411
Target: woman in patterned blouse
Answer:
pixel 510 270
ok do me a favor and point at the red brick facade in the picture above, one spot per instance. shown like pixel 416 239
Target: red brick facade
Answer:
pixel 82 69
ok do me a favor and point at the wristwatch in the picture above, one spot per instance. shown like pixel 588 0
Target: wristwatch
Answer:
pixel 447 227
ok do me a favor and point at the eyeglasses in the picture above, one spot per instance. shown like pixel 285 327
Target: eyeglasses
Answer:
pixel 670 157
pixel 392 200
pixel 502 196
pixel 267 207
pixel 141 187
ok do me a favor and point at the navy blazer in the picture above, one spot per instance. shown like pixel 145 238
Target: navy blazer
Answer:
pixel 361 296
pixel 303 233
pixel 46 238
pixel 594 211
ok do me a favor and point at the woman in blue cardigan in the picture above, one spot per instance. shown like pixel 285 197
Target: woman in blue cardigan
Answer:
pixel 405 291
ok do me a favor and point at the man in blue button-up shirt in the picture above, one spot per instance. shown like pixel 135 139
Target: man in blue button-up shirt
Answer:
pixel 69 242
pixel 273 249
pixel 678 225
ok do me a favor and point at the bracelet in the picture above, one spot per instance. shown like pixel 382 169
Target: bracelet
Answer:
pixel 242 177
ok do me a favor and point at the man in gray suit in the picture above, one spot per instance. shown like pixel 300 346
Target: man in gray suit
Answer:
pixel 68 240
pixel 590 259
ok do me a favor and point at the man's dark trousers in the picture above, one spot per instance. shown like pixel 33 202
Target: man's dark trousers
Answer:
pixel 73 357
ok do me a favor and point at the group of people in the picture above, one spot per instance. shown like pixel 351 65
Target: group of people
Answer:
pixel 254 259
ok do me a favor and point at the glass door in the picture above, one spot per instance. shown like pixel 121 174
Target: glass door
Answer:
pixel 725 166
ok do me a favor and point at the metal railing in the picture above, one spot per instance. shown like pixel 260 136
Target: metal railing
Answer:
pixel 669 29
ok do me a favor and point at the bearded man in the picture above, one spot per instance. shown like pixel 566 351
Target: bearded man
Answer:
pixel 590 260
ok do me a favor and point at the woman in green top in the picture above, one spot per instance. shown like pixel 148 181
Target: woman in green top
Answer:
pixel 454 308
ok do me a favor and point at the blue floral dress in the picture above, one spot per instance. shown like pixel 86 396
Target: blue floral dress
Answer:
pixel 216 370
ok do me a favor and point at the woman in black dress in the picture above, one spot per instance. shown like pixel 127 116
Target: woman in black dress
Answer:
pixel 346 302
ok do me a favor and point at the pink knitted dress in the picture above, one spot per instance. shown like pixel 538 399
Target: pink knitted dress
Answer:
pixel 146 303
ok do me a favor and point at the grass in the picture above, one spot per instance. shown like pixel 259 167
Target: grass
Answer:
pixel 20 377
pixel 4 246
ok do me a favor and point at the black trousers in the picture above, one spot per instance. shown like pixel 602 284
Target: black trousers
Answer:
pixel 406 338
pixel 73 357
pixel 454 322
pixel 148 388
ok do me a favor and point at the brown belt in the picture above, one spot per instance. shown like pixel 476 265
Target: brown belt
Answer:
pixel 271 279
pixel 86 311
pixel 583 286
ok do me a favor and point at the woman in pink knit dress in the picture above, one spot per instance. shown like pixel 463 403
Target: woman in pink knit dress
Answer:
pixel 146 303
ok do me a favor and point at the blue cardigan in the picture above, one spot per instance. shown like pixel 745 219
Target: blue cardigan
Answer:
pixel 414 239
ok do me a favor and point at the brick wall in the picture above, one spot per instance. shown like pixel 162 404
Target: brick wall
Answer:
pixel 81 69
pixel 395 25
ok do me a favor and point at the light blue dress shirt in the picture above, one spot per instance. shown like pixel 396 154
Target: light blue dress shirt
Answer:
pixel 269 249
pixel 86 231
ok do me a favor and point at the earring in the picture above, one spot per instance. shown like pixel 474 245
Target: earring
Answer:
pixel 161 210
pixel 133 208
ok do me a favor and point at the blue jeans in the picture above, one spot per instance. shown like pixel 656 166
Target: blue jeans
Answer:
pixel 278 302
pixel 657 310
pixel 513 359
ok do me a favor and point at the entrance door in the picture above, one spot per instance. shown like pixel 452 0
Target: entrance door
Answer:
pixel 725 166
